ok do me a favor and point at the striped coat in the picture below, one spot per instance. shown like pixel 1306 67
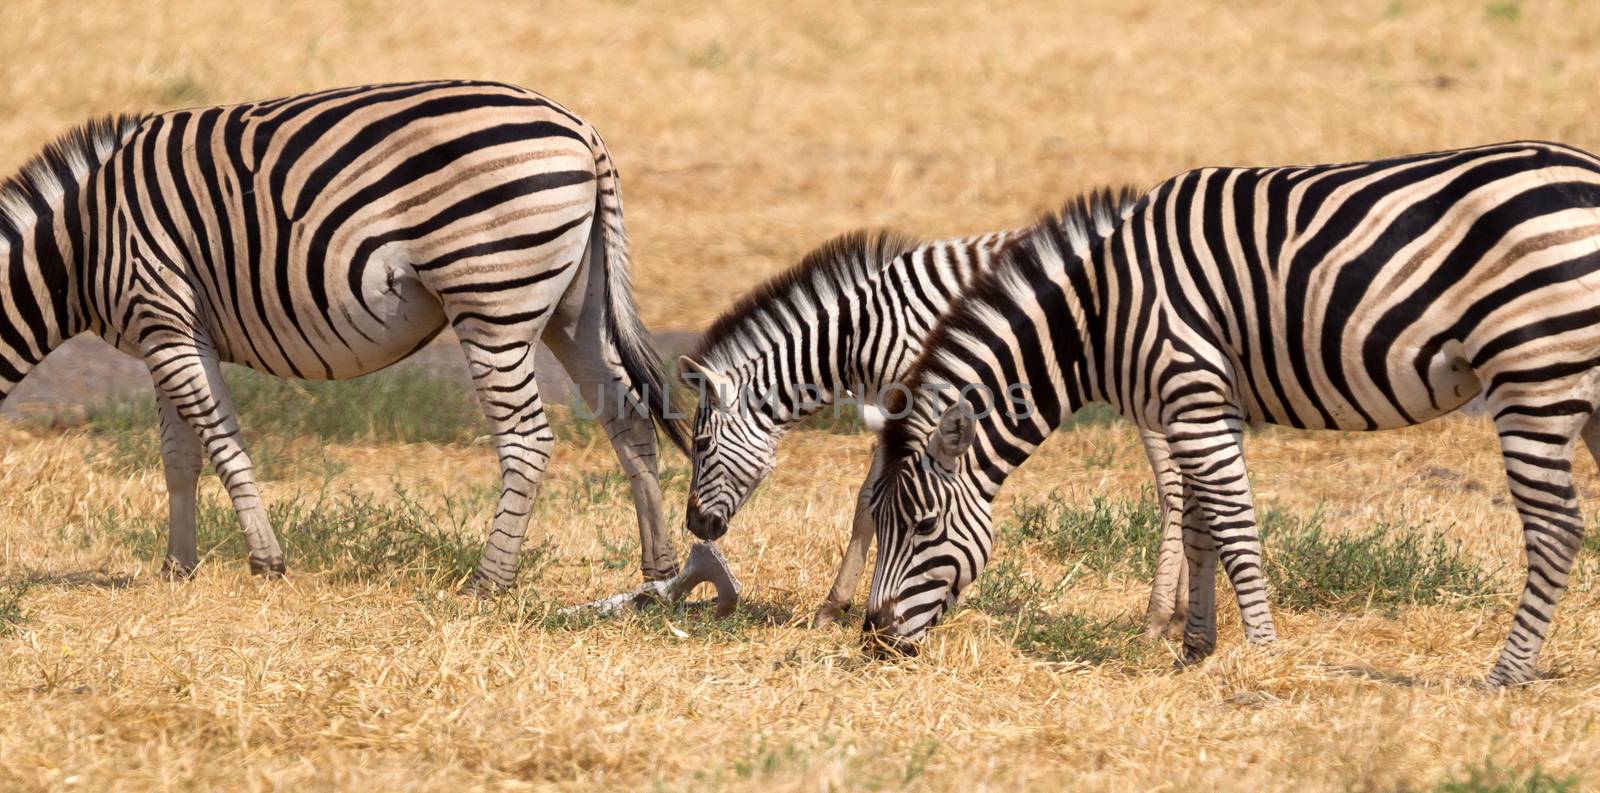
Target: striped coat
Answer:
pixel 326 236
pixel 1358 296
pixel 848 321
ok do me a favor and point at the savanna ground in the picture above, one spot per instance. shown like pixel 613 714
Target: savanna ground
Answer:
pixel 745 137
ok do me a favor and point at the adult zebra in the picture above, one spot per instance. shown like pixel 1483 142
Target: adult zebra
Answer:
pixel 1359 296
pixel 849 319
pixel 329 235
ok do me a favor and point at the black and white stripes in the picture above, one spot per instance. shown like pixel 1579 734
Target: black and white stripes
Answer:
pixel 843 323
pixel 1358 296
pixel 329 235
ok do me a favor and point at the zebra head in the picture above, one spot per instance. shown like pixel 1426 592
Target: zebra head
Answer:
pixel 735 446
pixel 934 534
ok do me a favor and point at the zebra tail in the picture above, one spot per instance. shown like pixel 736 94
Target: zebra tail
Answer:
pixel 645 371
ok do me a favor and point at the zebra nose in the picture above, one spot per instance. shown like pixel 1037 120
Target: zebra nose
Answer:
pixel 878 633
pixel 706 527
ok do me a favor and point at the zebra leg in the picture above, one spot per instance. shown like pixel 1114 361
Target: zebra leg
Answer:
pixel 509 395
pixel 1168 610
pixel 590 358
pixel 1211 459
pixel 833 609
pixel 180 458
pixel 189 378
pixel 1538 457
pixel 1200 564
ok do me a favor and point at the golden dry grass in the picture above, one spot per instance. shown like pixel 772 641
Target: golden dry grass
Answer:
pixel 746 135
pixel 227 681
pixel 749 133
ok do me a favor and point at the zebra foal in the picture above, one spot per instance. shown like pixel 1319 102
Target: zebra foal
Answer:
pixel 1360 296
pixel 846 323
pixel 329 235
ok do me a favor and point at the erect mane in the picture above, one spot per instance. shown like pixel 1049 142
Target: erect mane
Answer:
pixel 828 271
pixel 1082 223
pixel 58 169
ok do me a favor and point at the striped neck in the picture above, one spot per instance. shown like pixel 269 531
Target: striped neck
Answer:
pixel 786 347
pixel 1024 348
pixel 43 240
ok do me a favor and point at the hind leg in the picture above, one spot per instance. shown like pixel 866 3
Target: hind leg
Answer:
pixel 1168 609
pixel 509 393
pixel 181 461
pixel 580 335
pixel 592 362
pixel 1537 449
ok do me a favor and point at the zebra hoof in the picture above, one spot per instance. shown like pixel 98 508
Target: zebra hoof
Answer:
pixel 274 567
pixel 174 570
pixel 829 614
pixel 1195 650
pixel 483 588
pixel 1508 677
pixel 1168 629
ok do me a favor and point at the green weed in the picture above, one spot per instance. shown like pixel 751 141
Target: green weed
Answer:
pixel 351 536
pixel 1486 777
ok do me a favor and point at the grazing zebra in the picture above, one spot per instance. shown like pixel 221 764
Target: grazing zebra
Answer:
pixel 329 235
pixel 1360 296
pixel 848 320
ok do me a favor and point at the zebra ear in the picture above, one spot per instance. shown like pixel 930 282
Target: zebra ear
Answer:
pixel 957 429
pixel 702 379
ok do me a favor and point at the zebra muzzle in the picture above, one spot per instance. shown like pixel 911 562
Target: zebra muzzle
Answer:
pixel 878 633
pixel 707 527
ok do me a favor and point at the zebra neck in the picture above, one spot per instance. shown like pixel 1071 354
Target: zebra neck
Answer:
pixel 36 288
pixel 784 401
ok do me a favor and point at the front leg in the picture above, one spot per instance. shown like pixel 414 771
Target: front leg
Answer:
pixel 181 461
pixel 189 378
pixel 1200 562
pixel 855 553
pixel 1211 459
pixel 1169 599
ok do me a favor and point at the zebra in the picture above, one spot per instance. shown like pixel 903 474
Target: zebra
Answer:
pixel 329 235
pixel 1360 296
pixel 843 325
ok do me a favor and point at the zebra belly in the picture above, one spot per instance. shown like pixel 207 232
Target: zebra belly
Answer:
pixel 1445 382
pixel 408 314
pixel 404 316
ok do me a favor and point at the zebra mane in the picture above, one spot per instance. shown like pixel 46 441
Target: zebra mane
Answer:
pixel 830 271
pixel 57 170
pixel 1083 222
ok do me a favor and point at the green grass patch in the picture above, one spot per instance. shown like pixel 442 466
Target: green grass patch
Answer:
pixel 11 594
pixel 1105 535
pixel 1094 414
pixel 1020 601
pixel 1487 777
pixel 1308 566
pixel 403 404
pixel 350 536
pixel 1385 566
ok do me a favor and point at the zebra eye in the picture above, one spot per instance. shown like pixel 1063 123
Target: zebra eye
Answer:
pixel 927 523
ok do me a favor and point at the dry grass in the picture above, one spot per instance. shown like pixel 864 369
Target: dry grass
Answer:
pixel 749 133
pixel 746 136
pixel 113 677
